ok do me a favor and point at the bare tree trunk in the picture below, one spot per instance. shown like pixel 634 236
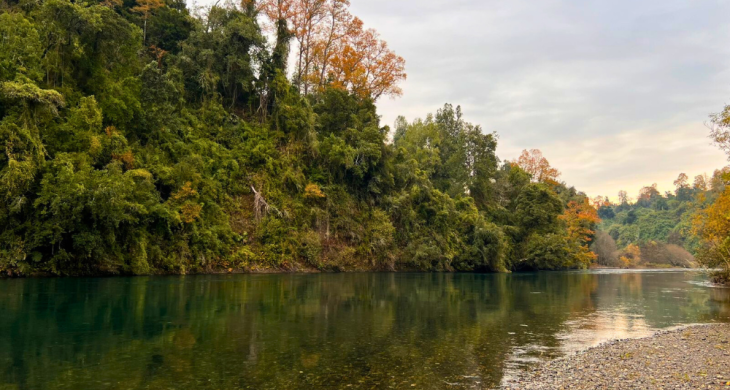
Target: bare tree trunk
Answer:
pixel 261 208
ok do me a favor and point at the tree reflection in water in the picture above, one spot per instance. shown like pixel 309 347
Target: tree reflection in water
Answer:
pixel 302 331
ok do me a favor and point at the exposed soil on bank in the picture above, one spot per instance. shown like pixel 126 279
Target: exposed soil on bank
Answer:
pixel 696 357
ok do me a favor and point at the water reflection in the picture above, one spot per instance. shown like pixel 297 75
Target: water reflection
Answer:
pixel 304 331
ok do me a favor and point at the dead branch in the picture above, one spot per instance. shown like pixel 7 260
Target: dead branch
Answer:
pixel 261 208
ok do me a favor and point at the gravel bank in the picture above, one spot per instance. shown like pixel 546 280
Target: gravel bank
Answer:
pixel 696 357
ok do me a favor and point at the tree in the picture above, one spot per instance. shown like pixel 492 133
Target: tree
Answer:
pixel 648 195
pixel 605 249
pixel 623 197
pixel 364 65
pixel 20 47
pixel 712 226
pixel 537 209
pixel 334 49
pixel 720 129
pixel 145 7
pixel 338 25
pixel 606 212
pixel 681 181
pixel 683 191
pixel 700 182
pixel 538 166
pixel 601 201
pixel 719 179
pixel 581 219
pixel 631 256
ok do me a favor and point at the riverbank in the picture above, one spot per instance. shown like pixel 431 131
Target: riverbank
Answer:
pixel 696 357
pixel 294 268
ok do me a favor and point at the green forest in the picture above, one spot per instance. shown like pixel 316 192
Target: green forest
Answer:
pixel 142 138
pixel 684 228
pixel 654 228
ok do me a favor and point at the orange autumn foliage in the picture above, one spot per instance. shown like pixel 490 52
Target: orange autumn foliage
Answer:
pixel 126 158
pixel 534 163
pixel 631 256
pixel 601 201
pixel 145 7
pixel 365 66
pixel 580 219
pixel 334 49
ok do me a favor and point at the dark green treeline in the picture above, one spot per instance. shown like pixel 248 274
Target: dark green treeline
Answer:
pixel 186 149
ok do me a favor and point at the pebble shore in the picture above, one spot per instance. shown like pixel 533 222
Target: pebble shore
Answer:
pixel 696 357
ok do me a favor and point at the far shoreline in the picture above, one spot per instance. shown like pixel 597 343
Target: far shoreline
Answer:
pixel 311 271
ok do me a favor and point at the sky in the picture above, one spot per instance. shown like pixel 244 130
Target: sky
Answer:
pixel 615 93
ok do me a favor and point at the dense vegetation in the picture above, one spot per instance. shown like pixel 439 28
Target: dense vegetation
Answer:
pixel 682 228
pixel 712 225
pixel 140 138
pixel 655 229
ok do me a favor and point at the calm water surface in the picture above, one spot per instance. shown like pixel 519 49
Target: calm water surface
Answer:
pixel 427 331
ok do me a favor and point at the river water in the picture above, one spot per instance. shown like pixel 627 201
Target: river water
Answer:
pixel 370 330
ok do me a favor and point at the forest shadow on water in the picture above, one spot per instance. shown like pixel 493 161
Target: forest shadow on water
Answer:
pixel 327 330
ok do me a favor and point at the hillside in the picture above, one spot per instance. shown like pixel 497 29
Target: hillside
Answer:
pixel 140 138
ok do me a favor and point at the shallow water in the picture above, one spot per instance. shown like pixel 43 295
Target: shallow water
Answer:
pixel 332 330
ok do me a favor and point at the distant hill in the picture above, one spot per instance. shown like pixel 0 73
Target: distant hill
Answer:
pixel 655 229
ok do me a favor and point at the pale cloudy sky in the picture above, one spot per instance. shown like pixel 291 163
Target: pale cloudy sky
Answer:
pixel 614 92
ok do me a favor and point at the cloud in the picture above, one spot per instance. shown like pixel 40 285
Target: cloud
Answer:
pixel 632 159
pixel 614 93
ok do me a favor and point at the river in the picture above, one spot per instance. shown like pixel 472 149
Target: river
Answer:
pixel 369 330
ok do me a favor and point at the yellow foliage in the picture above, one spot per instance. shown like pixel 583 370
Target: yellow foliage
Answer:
pixel 191 212
pixel 141 174
pixel 625 261
pixel 95 146
pixel 712 226
pixel 313 191
pixel 187 191
pixel 631 256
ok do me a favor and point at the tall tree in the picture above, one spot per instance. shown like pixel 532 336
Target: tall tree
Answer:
pixel 683 191
pixel 712 226
pixel 623 197
pixel 681 181
pixel 534 163
pixel 145 7
pixel 334 48
pixel 700 182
